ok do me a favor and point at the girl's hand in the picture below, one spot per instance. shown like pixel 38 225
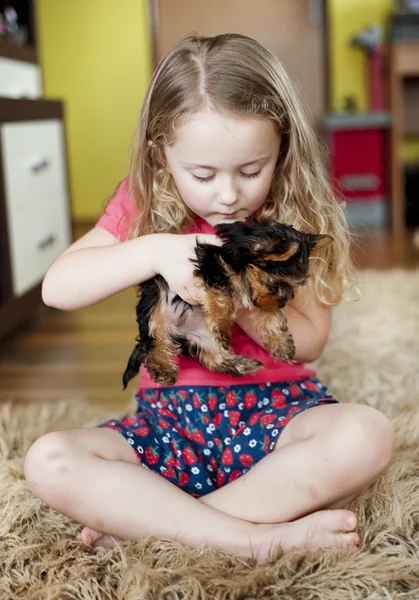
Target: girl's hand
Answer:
pixel 172 261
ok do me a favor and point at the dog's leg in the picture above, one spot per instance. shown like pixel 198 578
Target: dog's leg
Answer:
pixel 211 355
pixel 134 363
pixel 273 329
pixel 159 361
pixel 233 364
pixel 148 297
pixel 155 348
pixel 219 313
pixel 268 319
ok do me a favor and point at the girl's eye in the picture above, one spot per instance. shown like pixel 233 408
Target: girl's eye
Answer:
pixel 203 179
pixel 211 177
pixel 252 175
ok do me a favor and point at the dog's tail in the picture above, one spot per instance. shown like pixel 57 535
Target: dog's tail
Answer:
pixel 134 363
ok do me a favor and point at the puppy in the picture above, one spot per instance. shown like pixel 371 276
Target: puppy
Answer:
pixel 257 267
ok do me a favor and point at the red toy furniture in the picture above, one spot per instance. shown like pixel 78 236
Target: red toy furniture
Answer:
pixel 357 145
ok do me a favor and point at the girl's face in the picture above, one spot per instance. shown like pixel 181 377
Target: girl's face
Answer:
pixel 223 165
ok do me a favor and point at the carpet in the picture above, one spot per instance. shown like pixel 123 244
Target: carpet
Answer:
pixel 372 357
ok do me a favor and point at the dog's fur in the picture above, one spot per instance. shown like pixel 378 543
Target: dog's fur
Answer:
pixel 257 267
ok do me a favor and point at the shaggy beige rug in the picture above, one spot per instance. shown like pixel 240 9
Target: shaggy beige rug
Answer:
pixel 372 357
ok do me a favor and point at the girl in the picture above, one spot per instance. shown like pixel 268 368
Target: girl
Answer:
pixel 238 464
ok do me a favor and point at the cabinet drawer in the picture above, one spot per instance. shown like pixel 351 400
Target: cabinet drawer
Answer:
pixel 33 162
pixel 19 79
pixel 37 235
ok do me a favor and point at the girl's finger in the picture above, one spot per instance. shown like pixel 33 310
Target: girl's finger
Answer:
pixel 209 239
pixel 189 298
pixel 198 294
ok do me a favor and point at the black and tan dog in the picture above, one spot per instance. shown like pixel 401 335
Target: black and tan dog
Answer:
pixel 257 267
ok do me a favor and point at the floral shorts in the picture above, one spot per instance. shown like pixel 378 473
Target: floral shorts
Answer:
pixel 201 438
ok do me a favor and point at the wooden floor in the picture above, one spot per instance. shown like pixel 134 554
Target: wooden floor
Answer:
pixel 83 354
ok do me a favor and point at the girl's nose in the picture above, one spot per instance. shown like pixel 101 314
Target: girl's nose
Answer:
pixel 228 194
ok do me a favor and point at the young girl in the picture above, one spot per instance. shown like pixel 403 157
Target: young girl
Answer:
pixel 240 464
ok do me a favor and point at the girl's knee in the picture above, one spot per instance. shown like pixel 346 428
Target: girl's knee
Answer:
pixel 377 437
pixel 362 442
pixel 48 460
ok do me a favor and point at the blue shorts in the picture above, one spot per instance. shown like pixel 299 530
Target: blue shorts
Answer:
pixel 200 438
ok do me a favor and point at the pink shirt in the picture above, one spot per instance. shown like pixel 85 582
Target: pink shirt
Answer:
pixel 115 219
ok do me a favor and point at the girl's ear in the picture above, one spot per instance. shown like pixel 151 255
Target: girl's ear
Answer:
pixel 158 154
pixel 320 241
pixel 165 161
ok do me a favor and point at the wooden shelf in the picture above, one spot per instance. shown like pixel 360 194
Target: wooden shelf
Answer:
pixel 24 53
pixel 404 63
pixel 23 109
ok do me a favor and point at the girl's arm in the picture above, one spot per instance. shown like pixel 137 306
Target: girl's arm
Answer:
pixel 309 321
pixel 98 266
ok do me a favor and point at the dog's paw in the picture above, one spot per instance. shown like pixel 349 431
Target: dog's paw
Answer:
pixel 165 376
pixel 222 337
pixel 284 350
pixel 240 364
pixel 289 348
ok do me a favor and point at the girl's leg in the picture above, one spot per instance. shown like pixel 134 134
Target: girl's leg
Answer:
pixel 326 456
pixel 92 476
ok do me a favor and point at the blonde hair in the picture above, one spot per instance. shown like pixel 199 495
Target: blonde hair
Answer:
pixel 237 75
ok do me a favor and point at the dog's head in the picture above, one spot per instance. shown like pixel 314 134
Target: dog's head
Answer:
pixel 276 248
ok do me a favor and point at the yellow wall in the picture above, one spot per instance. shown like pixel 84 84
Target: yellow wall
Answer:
pixel 95 55
pixel 410 151
pixel 347 64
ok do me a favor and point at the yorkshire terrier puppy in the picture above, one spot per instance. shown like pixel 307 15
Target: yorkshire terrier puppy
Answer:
pixel 257 267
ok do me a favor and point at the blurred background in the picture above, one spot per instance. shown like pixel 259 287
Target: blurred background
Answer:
pixel 73 74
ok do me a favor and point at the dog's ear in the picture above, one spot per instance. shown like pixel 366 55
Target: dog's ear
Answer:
pixel 320 241
pixel 276 256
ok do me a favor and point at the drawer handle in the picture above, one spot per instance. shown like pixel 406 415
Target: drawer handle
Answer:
pixel 40 165
pixel 47 241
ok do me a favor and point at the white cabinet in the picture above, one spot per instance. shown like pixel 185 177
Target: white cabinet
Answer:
pixel 35 223
pixel 36 198
pixel 33 162
pixel 19 79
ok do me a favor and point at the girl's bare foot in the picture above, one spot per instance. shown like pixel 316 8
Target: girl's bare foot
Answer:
pixel 322 528
pixel 94 539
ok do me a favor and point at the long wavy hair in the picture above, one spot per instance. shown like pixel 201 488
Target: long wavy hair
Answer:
pixel 235 74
